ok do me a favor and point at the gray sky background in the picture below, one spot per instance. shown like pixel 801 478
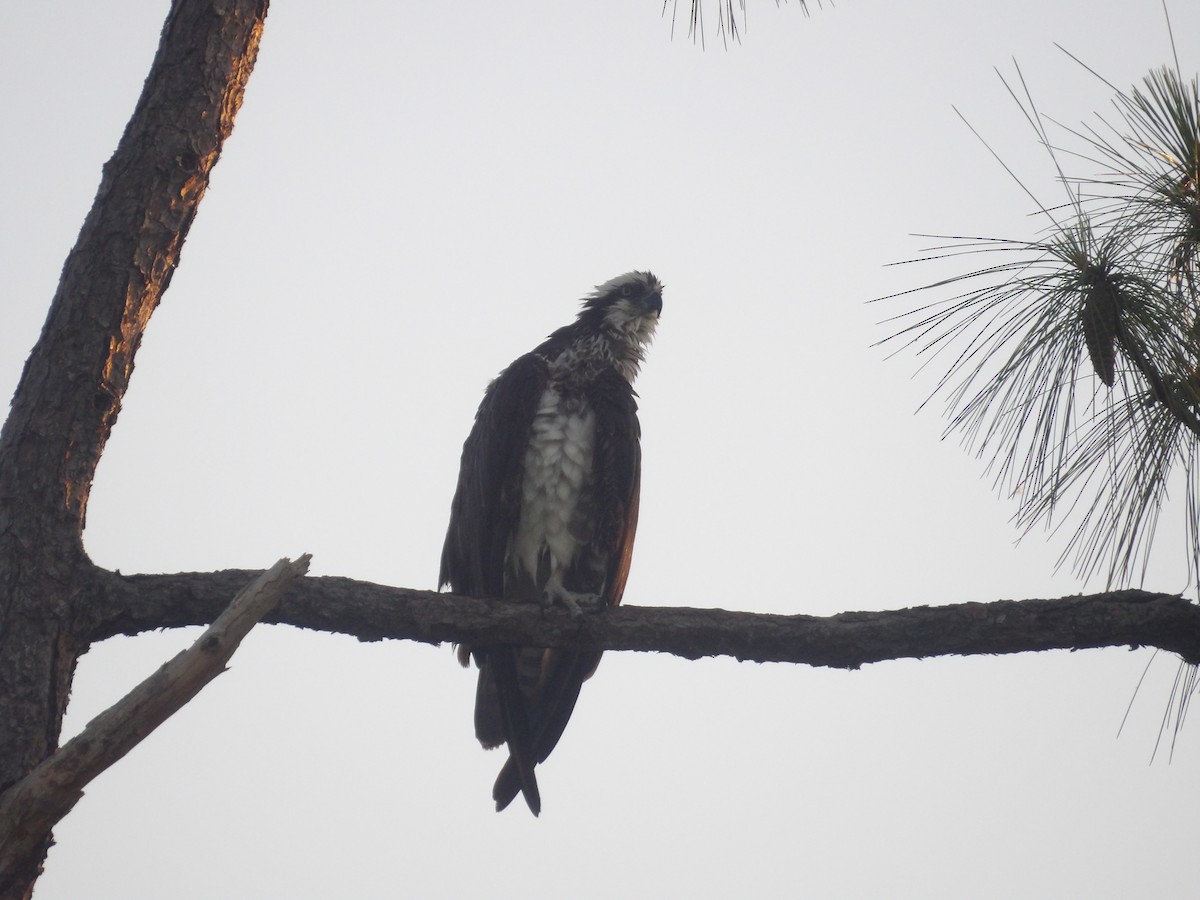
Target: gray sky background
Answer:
pixel 415 194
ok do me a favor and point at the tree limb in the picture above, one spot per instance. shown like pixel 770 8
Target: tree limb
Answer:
pixel 75 379
pixel 32 806
pixel 132 604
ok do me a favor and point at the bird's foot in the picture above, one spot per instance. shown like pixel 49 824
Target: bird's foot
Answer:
pixel 574 602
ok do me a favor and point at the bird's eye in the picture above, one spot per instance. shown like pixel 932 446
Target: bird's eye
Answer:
pixel 627 291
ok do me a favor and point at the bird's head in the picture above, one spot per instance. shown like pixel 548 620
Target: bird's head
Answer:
pixel 627 307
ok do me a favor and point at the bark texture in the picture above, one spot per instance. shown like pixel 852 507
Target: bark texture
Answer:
pixel 71 389
pixel 848 640
pixel 36 803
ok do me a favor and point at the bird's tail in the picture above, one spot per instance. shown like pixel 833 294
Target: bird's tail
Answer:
pixel 508 785
pixel 521 757
pixel 567 672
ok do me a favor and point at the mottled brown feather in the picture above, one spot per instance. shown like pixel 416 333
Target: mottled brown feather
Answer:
pixel 526 695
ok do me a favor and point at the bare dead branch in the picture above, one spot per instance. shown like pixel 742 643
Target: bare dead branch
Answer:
pixel 848 640
pixel 32 806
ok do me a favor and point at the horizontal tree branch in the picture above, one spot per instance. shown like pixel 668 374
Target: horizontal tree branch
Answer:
pixel 36 803
pixel 131 604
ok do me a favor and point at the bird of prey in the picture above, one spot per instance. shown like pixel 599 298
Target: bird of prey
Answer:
pixel 545 511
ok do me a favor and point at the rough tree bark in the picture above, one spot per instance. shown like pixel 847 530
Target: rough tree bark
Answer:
pixel 371 612
pixel 71 389
pixel 54 602
pixel 32 806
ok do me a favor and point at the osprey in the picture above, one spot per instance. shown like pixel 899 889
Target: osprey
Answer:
pixel 545 511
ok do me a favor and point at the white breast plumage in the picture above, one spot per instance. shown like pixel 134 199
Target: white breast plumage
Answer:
pixel 558 467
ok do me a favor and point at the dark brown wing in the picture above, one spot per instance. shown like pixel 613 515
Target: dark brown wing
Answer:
pixel 487 501
pixel 483 515
pixel 618 468
pixel 617 465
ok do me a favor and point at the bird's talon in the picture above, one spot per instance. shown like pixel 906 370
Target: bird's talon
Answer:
pixel 573 603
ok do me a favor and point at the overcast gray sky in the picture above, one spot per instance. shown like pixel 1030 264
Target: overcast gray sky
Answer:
pixel 416 193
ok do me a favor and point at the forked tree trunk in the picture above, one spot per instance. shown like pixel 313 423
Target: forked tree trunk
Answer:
pixel 71 389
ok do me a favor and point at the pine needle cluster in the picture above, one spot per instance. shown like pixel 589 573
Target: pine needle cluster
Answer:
pixel 1074 358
